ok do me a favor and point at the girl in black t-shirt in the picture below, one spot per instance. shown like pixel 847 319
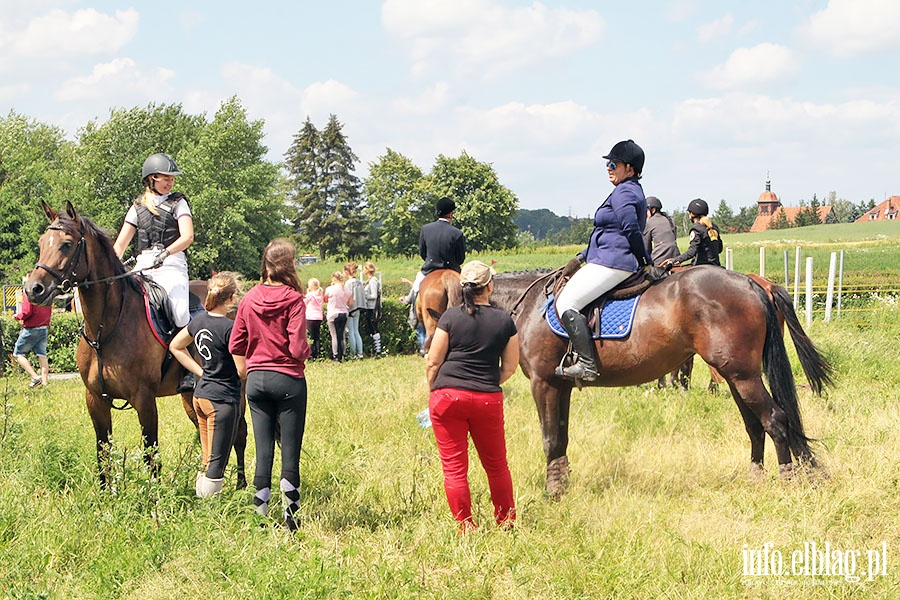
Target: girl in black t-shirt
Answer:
pixel 217 396
pixel 475 349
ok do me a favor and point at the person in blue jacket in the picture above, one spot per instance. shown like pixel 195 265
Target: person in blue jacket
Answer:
pixel 615 251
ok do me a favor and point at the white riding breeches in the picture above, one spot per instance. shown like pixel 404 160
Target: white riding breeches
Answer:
pixel 588 284
pixel 417 281
pixel 172 276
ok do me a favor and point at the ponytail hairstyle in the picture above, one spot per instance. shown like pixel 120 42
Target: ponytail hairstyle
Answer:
pixel 369 269
pixel 221 288
pixel 707 222
pixel 470 292
pixel 147 199
pixel 278 264
pixel 350 268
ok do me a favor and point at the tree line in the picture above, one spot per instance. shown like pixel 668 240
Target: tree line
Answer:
pixel 239 199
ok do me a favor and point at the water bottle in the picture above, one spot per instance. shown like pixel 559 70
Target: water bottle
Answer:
pixel 424 419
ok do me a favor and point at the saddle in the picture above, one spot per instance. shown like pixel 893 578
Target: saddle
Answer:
pixel 635 285
pixel 160 315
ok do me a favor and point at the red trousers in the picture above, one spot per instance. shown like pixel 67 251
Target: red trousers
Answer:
pixel 455 414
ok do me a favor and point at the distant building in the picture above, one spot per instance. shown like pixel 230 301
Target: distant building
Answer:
pixel 768 208
pixel 886 211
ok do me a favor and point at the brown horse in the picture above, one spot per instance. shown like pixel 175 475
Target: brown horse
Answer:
pixel 438 290
pixel 118 355
pixel 737 334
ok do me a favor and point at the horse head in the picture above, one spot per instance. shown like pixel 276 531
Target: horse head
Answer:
pixel 62 261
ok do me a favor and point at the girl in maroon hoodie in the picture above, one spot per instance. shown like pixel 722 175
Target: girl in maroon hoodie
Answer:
pixel 268 342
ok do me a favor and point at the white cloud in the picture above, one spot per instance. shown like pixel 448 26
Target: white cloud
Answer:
pixel 849 28
pixel 484 38
pixel 62 35
pixel 117 81
pixel 751 67
pixel 714 29
pixel 428 102
pixel 752 119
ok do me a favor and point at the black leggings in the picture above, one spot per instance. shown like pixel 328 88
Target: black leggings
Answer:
pixel 338 343
pixel 371 321
pixel 276 399
pixel 314 328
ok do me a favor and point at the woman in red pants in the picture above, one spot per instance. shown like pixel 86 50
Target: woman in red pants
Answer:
pixel 475 349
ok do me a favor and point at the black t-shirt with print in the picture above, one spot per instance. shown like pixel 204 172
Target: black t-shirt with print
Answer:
pixel 220 381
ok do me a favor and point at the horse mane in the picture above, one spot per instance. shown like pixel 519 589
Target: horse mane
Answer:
pixel 68 224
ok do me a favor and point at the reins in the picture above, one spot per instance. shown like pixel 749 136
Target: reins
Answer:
pixel 551 274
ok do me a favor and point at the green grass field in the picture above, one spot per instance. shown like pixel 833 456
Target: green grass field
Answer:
pixel 660 505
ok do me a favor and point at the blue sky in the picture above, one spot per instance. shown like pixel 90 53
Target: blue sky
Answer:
pixel 719 94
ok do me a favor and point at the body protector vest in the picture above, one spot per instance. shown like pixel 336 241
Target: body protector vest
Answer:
pixel 157 231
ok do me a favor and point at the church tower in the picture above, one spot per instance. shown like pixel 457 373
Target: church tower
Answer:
pixel 768 202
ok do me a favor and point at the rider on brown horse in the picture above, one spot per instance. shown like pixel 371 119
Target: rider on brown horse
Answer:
pixel 614 252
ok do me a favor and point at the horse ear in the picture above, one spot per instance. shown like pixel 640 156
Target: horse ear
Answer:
pixel 48 210
pixel 70 210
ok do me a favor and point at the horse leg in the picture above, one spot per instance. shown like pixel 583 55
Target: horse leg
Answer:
pixel 773 420
pixel 101 417
pixel 553 409
pixel 715 378
pixel 682 375
pixel 145 406
pixel 754 428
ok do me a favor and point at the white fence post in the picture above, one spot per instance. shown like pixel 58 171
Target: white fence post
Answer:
pixel 762 261
pixel 809 292
pixel 797 279
pixel 829 297
pixel 729 259
pixel 840 283
pixel 786 269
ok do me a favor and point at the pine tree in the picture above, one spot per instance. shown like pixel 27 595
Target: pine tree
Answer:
pixel 325 194
pixel 779 220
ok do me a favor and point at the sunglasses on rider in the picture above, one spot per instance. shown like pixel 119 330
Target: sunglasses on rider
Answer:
pixel 611 165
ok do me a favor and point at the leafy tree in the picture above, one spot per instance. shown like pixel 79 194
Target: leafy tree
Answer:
pixel 484 207
pixel 35 163
pixel 397 203
pixel 110 156
pixel 541 223
pixel 578 232
pixel 234 194
pixel 326 195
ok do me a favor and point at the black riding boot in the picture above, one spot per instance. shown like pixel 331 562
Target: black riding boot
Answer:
pixel 585 366
pixel 187 383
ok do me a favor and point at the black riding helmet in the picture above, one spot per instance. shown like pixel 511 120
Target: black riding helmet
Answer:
pixel 653 202
pixel 698 207
pixel 160 163
pixel 629 153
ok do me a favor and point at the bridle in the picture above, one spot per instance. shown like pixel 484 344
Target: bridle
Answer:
pixel 65 279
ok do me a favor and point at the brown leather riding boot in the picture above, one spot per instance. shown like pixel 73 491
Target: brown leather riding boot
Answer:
pixel 585 366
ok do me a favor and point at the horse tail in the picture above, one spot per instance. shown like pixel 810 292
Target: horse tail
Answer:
pixel 777 367
pixel 818 370
pixel 453 289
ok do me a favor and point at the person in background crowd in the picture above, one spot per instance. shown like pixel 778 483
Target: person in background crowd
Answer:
pixel 615 251
pixel 659 233
pixel 338 301
pixel 475 349
pixel 217 395
pixel 705 243
pixel 355 288
pixel 314 299
pixel 413 318
pixel 33 338
pixel 165 229
pixel 372 311
pixel 268 343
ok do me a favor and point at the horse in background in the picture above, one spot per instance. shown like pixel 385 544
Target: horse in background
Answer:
pixel 118 356
pixel 738 335
pixel 438 290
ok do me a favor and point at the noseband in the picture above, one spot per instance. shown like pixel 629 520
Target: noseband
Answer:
pixel 66 279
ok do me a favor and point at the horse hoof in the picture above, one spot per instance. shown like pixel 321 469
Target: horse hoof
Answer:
pixel 756 473
pixel 786 471
pixel 557 477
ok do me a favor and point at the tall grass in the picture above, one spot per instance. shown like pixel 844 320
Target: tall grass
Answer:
pixel 659 507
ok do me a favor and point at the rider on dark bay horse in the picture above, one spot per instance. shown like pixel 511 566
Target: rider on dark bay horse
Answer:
pixel 441 245
pixel 705 241
pixel 614 252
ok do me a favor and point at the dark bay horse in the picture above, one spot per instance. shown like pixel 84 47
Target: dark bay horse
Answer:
pixel 118 355
pixel 737 333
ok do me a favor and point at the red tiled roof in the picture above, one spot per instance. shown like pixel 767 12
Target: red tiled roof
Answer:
pixel 762 221
pixel 886 211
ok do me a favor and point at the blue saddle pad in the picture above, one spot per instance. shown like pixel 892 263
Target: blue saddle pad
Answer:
pixel 616 318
